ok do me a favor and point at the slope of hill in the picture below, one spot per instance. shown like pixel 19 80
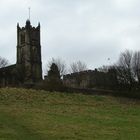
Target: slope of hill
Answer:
pixel 40 115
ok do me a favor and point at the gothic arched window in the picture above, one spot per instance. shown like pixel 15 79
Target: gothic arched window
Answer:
pixel 22 38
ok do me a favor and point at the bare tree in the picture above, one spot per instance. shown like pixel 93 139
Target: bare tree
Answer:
pixel 60 64
pixel 124 68
pixel 125 59
pixel 136 65
pixel 78 66
pixel 3 62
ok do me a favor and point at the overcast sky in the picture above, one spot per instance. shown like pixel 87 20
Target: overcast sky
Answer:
pixel 88 30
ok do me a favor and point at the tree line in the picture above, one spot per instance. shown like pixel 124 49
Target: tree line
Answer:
pixel 74 67
pixel 124 74
pixel 127 69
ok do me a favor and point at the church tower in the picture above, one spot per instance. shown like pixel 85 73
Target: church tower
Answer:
pixel 29 63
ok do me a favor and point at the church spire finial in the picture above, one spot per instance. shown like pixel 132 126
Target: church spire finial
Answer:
pixel 29 12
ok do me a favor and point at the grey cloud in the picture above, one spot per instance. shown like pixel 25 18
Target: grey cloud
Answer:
pixel 87 30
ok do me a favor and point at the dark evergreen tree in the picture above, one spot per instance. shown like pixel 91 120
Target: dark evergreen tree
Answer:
pixel 53 81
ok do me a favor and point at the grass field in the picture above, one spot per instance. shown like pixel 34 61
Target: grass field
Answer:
pixel 40 115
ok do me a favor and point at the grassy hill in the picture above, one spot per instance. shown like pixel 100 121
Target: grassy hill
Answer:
pixel 40 115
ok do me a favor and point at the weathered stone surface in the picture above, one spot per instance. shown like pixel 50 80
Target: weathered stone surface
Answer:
pixel 29 52
pixel 28 68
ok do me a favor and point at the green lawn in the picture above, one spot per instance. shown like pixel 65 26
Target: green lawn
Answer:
pixel 40 115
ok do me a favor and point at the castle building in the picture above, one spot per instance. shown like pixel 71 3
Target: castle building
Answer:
pixel 28 68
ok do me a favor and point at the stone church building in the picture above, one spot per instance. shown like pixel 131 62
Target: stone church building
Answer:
pixel 28 68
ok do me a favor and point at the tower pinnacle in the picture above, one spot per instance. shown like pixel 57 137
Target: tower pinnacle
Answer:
pixel 29 12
